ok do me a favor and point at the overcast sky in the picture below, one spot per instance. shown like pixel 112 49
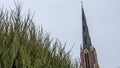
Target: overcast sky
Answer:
pixel 62 18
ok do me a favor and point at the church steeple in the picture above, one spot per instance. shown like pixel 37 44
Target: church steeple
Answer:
pixel 88 53
pixel 85 31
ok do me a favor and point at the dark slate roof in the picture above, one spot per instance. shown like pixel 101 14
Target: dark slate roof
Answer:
pixel 85 31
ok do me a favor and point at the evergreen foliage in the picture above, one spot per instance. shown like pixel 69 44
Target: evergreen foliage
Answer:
pixel 22 46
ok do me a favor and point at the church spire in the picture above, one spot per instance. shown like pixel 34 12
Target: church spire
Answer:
pixel 85 32
pixel 88 53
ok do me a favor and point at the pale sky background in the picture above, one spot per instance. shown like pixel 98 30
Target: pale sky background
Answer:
pixel 62 18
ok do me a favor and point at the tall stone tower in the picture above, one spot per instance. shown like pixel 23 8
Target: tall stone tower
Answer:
pixel 88 53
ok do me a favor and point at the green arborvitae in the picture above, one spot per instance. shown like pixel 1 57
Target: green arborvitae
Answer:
pixel 22 46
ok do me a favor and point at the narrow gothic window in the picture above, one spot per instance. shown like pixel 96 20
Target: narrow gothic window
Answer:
pixel 87 60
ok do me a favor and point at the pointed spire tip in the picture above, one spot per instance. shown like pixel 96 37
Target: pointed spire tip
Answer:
pixel 81 3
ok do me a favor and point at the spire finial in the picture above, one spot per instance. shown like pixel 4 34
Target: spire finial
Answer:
pixel 82 3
